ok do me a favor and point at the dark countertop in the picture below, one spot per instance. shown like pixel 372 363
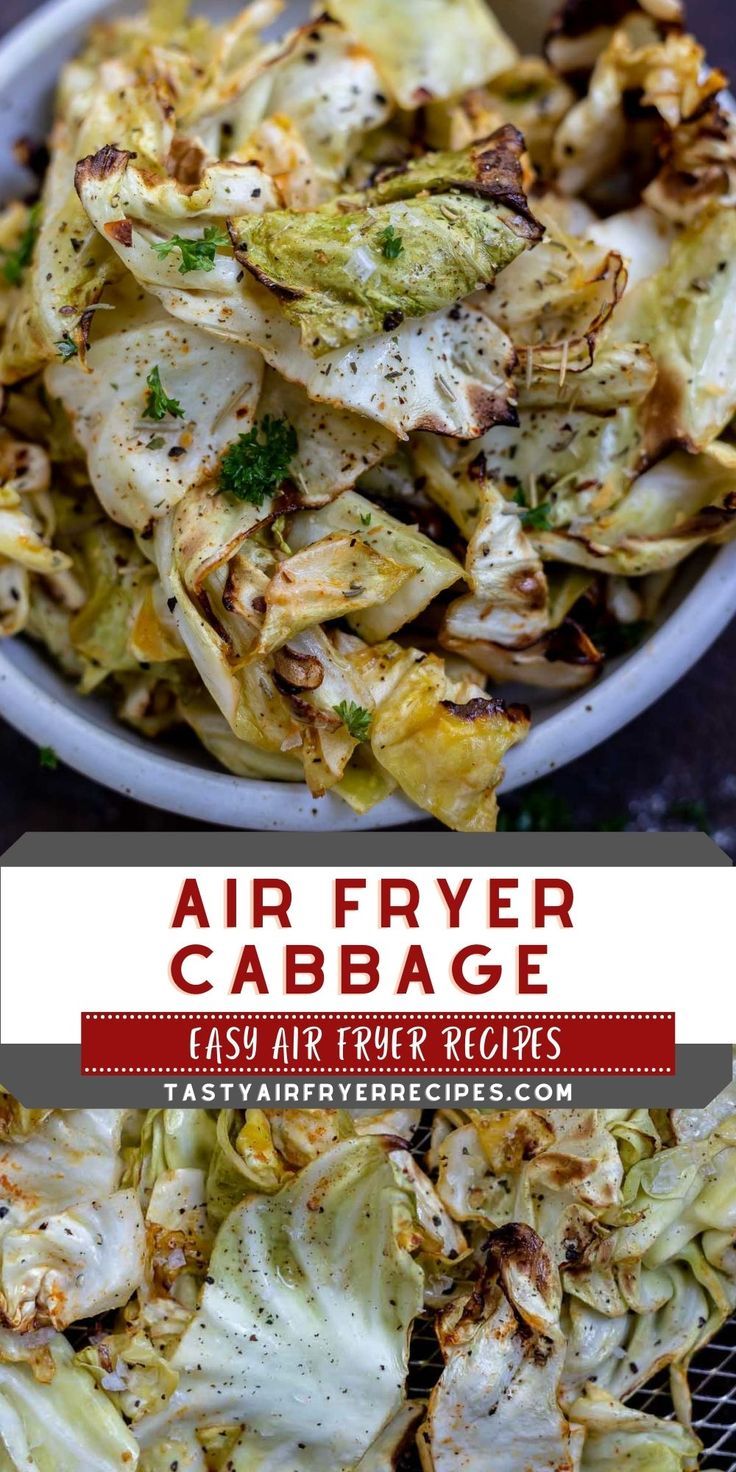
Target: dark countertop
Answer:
pixel 674 766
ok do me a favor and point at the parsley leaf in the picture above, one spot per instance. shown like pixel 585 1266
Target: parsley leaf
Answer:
pixel 534 518
pixel 47 758
pixel 66 348
pixel 196 255
pixel 537 518
pixel 367 519
pixel 392 245
pixel 357 720
pixel 158 403
pixel 257 464
pixel 15 261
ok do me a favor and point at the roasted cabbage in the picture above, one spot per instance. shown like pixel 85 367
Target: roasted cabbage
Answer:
pixel 352 376
pixel 260 1289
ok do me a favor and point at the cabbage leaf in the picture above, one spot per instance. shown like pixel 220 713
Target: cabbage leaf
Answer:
pixel 449 373
pixel 427 236
pixel 71 1243
pixel 140 469
pixel 496 1401
pixel 618 1437
pixel 62 1425
pixel 672 79
pixel 83 1261
pixel 301 112
pixel 71 265
pixel 428 48
pixel 446 755
pixel 299 1350
pixel 428 569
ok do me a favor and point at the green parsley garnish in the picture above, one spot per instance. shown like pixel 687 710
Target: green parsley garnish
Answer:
pixel 258 463
pixel 537 518
pixel 158 403
pixel 67 348
pixel 47 758
pixel 533 518
pixel 196 255
pixel 366 520
pixel 15 261
pixel 391 244
pixel 356 720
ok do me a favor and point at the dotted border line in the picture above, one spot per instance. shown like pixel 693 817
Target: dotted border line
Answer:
pixel 330 1071
pixel 379 1016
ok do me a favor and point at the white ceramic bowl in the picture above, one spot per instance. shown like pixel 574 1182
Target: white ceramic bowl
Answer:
pixel 44 706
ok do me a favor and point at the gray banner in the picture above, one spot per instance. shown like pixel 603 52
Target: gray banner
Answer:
pixel 366 850
pixel 49 1076
pixel 46 1077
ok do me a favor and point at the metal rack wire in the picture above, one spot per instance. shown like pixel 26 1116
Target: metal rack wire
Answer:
pixel 712 1382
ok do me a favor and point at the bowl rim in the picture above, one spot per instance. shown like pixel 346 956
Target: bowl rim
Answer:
pixel 138 769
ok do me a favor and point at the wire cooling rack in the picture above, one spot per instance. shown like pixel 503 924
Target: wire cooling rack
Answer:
pixel 712 1383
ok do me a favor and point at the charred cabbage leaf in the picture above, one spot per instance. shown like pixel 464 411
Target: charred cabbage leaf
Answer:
pixel 698 165
pixel 669 511
pixel 282 703
pixel 449 373
pixel 671 79
pixel 557 1171
pixel 429 236
pixel 445 755
pixel 70 264
pixel 496 1401
pixel 508 602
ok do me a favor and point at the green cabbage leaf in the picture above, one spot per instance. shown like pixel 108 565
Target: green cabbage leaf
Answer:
pixel 298 1353
pixel 61 1423
pixel 428 48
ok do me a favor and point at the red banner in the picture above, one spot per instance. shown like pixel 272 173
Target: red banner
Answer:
pixel 416 1044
